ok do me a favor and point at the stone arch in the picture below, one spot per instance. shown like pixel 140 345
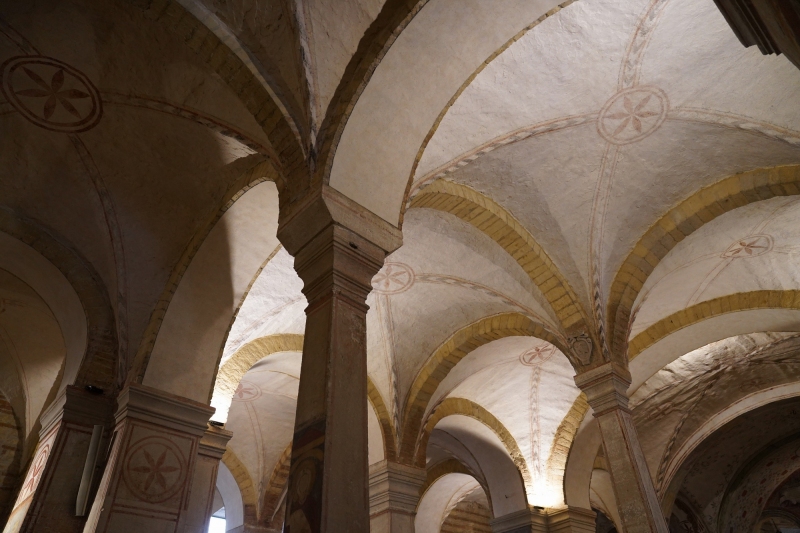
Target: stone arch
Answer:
pixel 96 363
pixel 444 494
pixel 451 466
pixel 393 18
pixel 388 431
pixel 731 303
pixel 462 406
pixel 273 493
pixel 455 97
pixel 233 370
pixel 288 151
pixel 562 443
pixel 369 131
pixel 585 446
pixel 490 218
pixel 256 174
pixel 681 221
pixel 447 355
pixel 245 484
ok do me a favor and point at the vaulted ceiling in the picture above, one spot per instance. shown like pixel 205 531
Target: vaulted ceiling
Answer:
pixel 622 166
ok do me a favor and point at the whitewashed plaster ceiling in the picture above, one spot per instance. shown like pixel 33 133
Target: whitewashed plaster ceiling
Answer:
pixel 416 305
pixel 549 129
pixel 753 248
pixel 298 48
pixel 274 304
pixel 420 73
pixel 146 167
pixel 587 126
pixel 262 414
pixel 527 385
pixel 32 349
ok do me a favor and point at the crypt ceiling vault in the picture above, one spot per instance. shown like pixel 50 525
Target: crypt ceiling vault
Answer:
pixel 619 168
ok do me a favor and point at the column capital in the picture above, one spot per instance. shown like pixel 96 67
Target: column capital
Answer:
pixel 394 487
pixel 606 387
pixel 530 520
pixel 533 520
pixel 161 408
pixel 77 406
pixel 214 442
pixel 326 206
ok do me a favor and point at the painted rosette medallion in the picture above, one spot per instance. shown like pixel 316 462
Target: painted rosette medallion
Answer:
pixel 393 278
pixel 632 114
pixel 538 355
pixel 155 469
pixel 51 94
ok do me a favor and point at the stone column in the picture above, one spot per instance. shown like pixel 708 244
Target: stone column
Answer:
pixel 204 482
pixel 145 486
pixel 47 499
pixel 606 389
pixel 393 496
pixel 338 247
pixel 537 520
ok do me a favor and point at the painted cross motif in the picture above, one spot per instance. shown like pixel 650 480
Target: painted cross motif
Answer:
pixel 394 278
pixel 632 114
pixel 246 392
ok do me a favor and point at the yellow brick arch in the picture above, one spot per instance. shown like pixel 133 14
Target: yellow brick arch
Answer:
pixel 274 489
pixel 732 303
pixel 245 484
pixel 448 354
pixel 452 466
pixel 234 369
pixel 464 407
pixel 490 218
pixel 681 221
pixel 562 443
pixel 260 172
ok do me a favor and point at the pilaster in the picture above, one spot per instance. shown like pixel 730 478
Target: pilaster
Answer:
pixel 48 497
pixel 394 492
pixel 606 390
pixel 145 486
pixel 204 481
